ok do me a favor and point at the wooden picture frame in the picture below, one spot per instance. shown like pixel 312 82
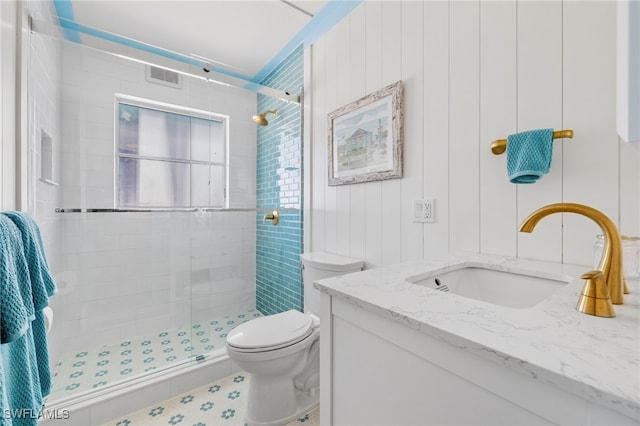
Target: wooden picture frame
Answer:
pixel 366 138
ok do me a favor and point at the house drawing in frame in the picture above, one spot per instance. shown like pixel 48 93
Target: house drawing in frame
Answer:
pixel 365 138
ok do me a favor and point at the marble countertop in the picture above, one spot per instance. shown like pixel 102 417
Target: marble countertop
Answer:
pixel 596 358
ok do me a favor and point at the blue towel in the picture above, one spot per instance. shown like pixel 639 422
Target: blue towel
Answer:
pixel 42 286
pixel 529 155
pixel 21 398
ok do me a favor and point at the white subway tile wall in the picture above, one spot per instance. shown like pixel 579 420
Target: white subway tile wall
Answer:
pixel 123 275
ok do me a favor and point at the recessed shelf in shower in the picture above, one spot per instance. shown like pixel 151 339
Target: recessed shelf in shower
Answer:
pixel 46 158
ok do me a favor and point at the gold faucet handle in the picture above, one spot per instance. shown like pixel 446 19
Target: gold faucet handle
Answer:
pixel 274 217
pixel 595 299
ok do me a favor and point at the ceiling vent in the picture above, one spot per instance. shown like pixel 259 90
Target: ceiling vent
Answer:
pixel 163 76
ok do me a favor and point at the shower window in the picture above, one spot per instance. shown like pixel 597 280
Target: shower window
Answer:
pixel 169 156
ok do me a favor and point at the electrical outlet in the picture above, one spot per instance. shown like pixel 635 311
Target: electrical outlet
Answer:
pixel 424 210
pixel 430 210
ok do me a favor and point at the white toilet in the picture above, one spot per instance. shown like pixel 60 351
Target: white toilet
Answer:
pixel 280 351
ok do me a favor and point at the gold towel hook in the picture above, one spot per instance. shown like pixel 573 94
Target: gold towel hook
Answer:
pixel 500 145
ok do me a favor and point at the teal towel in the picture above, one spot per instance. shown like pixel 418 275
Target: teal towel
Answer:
pixel 42 286
pixel 529 155
pixel 4 401
pixel 16 310
pixel 42 283
pixel 21 381
pixel 21 398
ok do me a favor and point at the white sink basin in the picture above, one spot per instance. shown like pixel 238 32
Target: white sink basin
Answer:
pixel 480 282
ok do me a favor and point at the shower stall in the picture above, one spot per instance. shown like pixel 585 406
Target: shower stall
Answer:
pixel 150 189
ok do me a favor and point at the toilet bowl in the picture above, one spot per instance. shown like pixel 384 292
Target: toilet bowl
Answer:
pixel 280 352
pixel 274 350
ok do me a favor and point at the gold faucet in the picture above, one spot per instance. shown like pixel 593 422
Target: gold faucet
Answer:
pixel 611 260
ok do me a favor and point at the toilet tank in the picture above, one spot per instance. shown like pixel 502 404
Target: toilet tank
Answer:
pixel 318 265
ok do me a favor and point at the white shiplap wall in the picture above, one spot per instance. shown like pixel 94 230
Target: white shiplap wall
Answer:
pixel 474 71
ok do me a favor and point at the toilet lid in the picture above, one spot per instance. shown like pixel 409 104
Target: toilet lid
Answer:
pixel 271 332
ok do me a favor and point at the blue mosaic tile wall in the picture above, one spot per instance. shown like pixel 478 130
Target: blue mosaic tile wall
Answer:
pixel 279 185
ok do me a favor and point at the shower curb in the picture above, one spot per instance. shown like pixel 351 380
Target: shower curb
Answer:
pixel 123 398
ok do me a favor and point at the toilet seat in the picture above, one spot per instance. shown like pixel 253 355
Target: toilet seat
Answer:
pixel 271 332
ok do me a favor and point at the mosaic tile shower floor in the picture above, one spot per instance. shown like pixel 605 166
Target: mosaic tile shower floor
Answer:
pixel 220 403
pixel 94 368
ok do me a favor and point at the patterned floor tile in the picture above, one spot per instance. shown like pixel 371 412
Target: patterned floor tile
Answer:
pixel 220 403
pixel 92 368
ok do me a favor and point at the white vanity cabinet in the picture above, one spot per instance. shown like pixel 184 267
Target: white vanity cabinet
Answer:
pixel 384 362
pixel 382 373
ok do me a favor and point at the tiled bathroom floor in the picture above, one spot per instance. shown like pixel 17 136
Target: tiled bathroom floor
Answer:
pixel 96 367
pixel 220 403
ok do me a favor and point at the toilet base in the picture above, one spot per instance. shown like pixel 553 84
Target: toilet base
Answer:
pixel 304 402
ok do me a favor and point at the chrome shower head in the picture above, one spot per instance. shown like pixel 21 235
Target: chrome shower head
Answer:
pixel 261 119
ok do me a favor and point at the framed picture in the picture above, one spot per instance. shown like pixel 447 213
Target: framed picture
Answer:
pixel 365 138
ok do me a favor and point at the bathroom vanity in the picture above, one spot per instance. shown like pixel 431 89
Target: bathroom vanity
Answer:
pixel 398 349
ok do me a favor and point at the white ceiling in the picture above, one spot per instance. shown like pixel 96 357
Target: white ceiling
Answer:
pixel 236 35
